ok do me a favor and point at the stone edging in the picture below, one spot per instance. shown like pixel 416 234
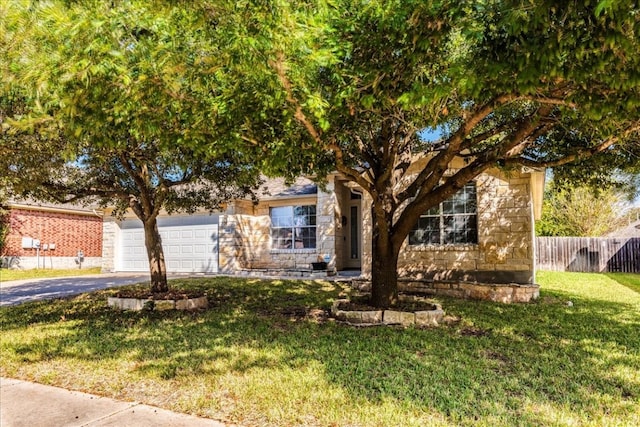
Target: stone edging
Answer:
pixel 497 292
pixel 137 304
pixel 387 317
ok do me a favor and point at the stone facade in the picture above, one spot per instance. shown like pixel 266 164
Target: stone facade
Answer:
pixel 245 236
pixel 505 249
pixel 504 253
pixel 497 292
pixel 502 258
pixel 110 230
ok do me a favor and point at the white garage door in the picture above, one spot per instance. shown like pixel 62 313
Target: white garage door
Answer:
pixel 190 244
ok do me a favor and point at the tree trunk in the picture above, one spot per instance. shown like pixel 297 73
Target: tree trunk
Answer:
pixel 157 266
pixel 384 265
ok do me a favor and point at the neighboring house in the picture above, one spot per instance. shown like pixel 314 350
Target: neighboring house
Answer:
pixel 484 235
pixel 50 236
pixel 630 231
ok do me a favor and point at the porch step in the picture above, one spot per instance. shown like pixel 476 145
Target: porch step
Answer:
pixel 289 272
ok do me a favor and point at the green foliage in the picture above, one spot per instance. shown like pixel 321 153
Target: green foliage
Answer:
pixel 125 97
pixel 261 347
pixel 118 104
pixel 581 211
pixel 506 83
pixel 354 67
pixel 312 87
pixel 615 168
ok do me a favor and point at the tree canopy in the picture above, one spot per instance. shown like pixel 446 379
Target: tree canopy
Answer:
pixel 582 211
pixel 117 104
pixel 309 87
pixel 503 83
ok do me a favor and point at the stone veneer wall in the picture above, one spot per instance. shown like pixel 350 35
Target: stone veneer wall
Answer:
pixel 326 223
pixel 245 237
pixel 505 249
pixel 109 241
pixel 504 293
pixel 504 253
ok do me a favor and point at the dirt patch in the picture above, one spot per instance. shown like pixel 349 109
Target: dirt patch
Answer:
pixel 474 332
pixel 494 355
pixel 171 295
pixel 451 320
pixel 364 304
pixel 297 313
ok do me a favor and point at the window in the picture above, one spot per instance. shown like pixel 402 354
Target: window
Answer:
pixel 454 221
pixel 293 227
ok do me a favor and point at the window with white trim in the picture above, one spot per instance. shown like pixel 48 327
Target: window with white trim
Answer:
pixel 454 221
pixel 293 227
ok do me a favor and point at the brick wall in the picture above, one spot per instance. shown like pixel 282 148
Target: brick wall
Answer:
pixel 69 232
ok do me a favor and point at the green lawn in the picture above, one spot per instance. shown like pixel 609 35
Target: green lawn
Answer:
pixel 11 274
pixel 254 359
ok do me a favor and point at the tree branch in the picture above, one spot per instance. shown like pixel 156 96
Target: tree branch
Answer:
pixel 580 154
pixel 431 194
pixel 299 114
pixel 142 185
pixel 301 117
pixel 64 194
pixel 436 166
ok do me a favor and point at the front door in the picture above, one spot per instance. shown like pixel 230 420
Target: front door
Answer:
pixel 354 232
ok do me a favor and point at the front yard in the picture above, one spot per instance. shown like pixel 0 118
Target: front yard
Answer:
pixel 265 355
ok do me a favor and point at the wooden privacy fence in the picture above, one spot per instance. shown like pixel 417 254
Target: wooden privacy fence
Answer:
pixel 588 254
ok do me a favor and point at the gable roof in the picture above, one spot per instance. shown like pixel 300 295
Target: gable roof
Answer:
pixel 277 188
pixel 73 208
pixel 631 230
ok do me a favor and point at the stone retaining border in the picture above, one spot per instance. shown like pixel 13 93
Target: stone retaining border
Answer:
pixel 421 318
pixel 138 304
pixel 505 293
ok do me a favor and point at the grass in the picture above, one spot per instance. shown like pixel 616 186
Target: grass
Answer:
pixel 255 359
pixel 11 274
pixel 629 280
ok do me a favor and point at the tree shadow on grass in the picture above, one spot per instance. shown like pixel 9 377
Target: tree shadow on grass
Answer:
pixel 533 363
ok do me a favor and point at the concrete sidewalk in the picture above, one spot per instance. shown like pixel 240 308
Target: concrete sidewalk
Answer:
pixel 24 403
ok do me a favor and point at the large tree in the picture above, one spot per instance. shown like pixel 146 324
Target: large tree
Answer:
pixel 582 211
pixel 352 85
pixel 116 103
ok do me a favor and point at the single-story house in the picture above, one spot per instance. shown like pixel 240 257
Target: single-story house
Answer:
pixel 485 234
pixel 52 236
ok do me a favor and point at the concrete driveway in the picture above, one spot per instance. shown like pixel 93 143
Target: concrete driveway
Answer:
pixel 19 291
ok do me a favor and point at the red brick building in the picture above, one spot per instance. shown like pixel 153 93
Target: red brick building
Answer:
pixel 61 231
